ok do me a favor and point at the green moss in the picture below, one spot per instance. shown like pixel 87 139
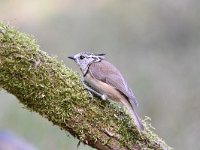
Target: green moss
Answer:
pixel 45 85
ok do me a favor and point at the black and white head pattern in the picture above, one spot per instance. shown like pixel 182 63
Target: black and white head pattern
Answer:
pixel 84 59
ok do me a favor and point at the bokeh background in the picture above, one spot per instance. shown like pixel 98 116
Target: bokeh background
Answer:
pixel 155 44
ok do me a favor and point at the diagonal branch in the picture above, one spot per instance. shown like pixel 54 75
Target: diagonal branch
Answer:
pixel 46 86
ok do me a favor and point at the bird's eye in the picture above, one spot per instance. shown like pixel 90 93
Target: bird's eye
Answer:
pixel 82 57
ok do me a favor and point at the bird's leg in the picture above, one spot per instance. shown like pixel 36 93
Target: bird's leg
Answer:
pixel 90 91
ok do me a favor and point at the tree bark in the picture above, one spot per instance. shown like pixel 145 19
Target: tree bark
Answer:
pixel 45 85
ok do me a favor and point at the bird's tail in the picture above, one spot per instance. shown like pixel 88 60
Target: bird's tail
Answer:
pixel 134 115
pixel 136 119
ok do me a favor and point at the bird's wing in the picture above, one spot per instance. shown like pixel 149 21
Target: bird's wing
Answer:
pixel 106 72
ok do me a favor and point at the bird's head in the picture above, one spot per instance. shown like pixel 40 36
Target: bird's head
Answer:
pixel 85 59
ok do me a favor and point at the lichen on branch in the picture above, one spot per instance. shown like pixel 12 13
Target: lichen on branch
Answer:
pixel 45 85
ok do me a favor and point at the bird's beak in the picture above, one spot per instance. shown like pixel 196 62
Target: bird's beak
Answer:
pixel 101 54
pixel 71 57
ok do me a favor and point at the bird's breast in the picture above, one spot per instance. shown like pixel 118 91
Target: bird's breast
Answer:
pixel 104 88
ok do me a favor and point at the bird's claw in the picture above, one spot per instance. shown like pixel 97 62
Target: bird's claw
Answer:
pixel 90 95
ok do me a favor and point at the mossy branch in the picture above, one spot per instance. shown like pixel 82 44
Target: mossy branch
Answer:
pixel 45 85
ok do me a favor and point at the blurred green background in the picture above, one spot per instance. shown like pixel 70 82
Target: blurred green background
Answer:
pixel 155 44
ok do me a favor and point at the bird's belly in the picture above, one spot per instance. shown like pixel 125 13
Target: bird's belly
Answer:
pixel 104 88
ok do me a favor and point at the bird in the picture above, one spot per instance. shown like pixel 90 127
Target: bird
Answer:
pixel 103 79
